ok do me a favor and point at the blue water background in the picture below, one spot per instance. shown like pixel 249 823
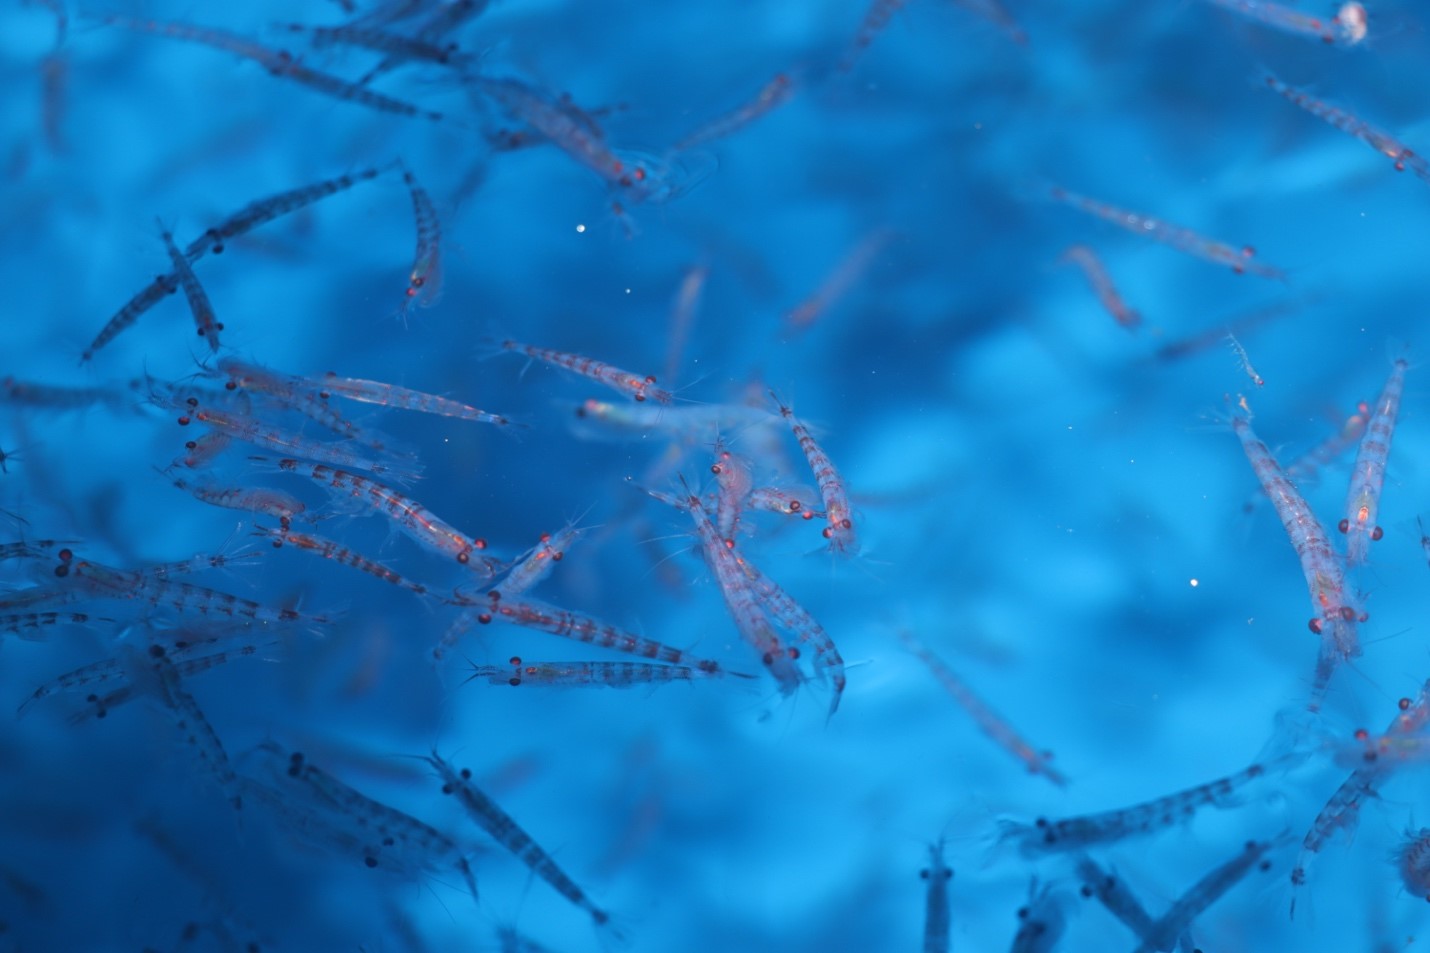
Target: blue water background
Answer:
pixel 1053 510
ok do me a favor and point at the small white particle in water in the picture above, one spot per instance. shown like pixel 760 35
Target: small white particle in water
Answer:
pixel 580 229
pixel 1195 583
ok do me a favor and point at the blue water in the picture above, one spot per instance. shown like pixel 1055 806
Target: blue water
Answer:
pixel 1055 511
